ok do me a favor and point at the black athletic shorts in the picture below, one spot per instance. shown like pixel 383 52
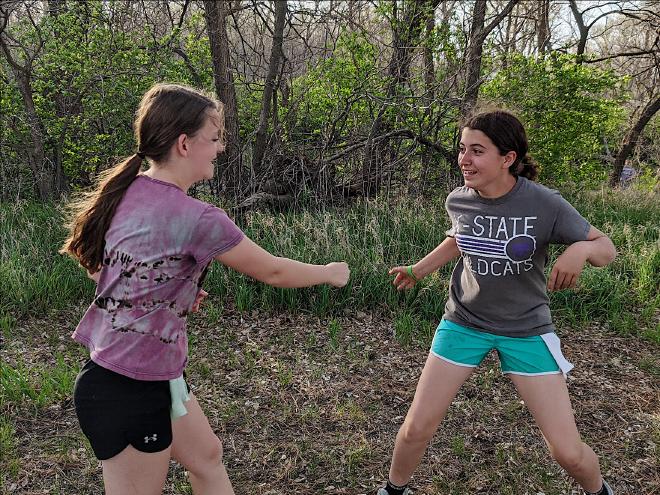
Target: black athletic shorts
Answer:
pixel 115 411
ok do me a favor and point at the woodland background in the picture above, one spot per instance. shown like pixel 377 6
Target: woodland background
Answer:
pixel 342 125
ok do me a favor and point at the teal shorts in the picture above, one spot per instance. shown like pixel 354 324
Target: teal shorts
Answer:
pixel 537 355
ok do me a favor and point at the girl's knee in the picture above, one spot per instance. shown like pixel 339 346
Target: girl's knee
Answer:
pixel 208 458
pixel 570 457
pixel 416 432
pixel 214 452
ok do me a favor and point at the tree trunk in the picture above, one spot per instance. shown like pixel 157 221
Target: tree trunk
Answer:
pixel 406 34
pixel 474 52
pixel 582 28
pixel 543 30
pixel 478 34
pixel 35 152
pixel 630 141
pixel 229 163
pixel 63 111
pixel 429 94
pixel 259 148
pixel 429 66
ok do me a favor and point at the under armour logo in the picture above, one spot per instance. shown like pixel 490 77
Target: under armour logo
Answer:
pixel 153 437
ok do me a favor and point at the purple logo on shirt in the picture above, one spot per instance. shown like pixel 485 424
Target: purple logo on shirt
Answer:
pixel 520 247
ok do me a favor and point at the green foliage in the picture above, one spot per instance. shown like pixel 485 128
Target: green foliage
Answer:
pixel 34 277
pixel 627 292
pixel 334 331
pixel 93 67
pixel 567 108
pixel 7 440
pixel 409 327
pixel 371 237
pixel 88 80
pixel 38 385
pixel 334 87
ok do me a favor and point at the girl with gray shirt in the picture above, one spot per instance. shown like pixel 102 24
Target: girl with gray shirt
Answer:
pixel 502 224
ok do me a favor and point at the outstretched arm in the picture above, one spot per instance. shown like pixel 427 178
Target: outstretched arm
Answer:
pixel 436 259
pixel 597 250
pixel 254 261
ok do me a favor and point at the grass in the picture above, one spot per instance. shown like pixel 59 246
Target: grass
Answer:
pixel 39 384
pixel 371 237
pixel 308 387
pixel 8 458
pixel 307 416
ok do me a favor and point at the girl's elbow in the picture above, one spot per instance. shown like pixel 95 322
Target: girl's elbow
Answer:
pixel 275 276
pixel 612 255
pixel 611 251
pixel 607 257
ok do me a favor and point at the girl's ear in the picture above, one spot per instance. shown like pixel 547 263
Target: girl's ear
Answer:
pixel 182 144
pixel 509 158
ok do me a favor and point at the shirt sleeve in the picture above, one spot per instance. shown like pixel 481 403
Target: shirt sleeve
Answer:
pixel 451 231
pixel 569 226
pixel 214 234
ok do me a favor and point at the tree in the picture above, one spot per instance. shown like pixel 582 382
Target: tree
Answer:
pixel 566 108
pixel 543 31
pixel 13 51
pixel 630 141
pixel 478 33
pixel 276 55
pixel 584 26
pixel 634 49
pixel 406 34
pixel 230 163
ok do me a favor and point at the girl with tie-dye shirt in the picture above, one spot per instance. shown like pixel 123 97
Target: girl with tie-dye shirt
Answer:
pixel 148 245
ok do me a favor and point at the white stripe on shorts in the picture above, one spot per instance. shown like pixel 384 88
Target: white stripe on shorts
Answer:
pixel 554 346
pixel 453 362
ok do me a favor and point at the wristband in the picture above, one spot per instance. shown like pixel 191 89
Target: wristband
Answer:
pixel 410 273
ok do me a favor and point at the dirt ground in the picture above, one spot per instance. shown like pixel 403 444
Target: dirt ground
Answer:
pixel 306 405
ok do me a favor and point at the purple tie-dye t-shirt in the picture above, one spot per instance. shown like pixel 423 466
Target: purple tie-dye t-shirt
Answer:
pixel 157 249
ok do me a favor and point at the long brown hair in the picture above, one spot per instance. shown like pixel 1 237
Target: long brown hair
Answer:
pixel 165 112
pixel 508 134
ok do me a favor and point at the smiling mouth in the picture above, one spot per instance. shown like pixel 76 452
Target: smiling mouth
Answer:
pixel 469 173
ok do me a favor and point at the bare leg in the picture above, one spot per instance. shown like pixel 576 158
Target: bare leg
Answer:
pixel 547 398
pixel 199 450
pixel 135 472
pixel 436 389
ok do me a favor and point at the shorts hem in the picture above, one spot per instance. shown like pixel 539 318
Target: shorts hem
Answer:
pixel 456 363
pixel 152 451
pixel 105 457
pixel 522 373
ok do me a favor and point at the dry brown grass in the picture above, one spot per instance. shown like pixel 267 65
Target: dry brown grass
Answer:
pixel 301 413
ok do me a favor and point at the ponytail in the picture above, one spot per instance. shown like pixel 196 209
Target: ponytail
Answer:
pixel 165 112
pixel 92 212
pixel 526 167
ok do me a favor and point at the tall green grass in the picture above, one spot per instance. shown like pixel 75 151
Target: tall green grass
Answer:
pixel 371 236
pixel 36 384
pixel 34 278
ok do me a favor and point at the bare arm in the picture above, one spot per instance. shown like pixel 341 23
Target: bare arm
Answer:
pixel 94 276
pixel 600 248
pixel 255 262
pixel 597 250
pixel 446 251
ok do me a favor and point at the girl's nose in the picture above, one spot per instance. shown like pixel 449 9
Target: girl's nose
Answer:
pixel 463 159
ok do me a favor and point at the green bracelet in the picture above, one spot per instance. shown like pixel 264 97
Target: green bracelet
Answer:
pixel 410 273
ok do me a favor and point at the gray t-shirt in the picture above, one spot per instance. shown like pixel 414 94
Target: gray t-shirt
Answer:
pixel 499 285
